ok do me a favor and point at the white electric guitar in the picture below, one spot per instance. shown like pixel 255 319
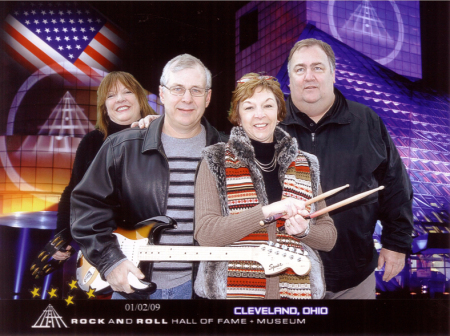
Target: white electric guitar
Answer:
pixel 138 245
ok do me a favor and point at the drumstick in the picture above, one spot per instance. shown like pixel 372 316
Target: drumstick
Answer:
pixel 273 218
pixel 325 195
pixel 342 203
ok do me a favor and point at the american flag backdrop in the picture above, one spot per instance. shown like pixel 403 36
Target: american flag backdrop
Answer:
pixel 69 37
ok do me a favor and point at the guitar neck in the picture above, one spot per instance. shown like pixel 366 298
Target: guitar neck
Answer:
pixel 194 253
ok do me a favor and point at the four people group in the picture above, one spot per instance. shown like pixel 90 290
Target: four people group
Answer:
pixel 279 155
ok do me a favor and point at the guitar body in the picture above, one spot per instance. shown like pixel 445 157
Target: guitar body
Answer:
pixel 146 232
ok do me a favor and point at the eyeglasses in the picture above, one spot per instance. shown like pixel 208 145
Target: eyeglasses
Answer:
pixel 246 79
pixel 179 91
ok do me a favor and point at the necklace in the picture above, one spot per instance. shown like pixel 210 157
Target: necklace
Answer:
pixel 267 167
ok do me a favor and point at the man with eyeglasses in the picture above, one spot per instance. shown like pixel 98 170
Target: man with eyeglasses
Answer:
pixel 142 173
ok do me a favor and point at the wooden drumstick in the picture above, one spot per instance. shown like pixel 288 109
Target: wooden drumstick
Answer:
pixel 320 197
pixel 325 195
pixel 344 202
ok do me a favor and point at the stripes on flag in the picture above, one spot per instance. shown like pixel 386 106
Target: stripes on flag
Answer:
pixel 70 38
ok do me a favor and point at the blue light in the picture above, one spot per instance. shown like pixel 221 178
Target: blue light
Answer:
pixel 22 248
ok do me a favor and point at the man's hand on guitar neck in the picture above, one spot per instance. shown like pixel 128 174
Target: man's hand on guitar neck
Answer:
pixel 118 278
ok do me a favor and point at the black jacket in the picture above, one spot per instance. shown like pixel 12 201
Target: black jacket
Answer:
pixel 354 147
pixel 126 183
pixel 86 152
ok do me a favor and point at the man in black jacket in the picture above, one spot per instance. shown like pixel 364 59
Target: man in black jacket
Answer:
pixel 353 147
pixel 139 174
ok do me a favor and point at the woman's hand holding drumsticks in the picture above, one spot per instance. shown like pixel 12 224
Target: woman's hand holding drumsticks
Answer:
pixel 349 200
pixel 320 197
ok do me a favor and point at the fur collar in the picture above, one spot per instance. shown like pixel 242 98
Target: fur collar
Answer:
pixel 285 148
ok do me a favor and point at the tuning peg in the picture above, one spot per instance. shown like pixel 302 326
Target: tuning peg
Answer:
pixel 284 247
pixel 305 252
pixel 291 249
pixel 299 251
pixel 277 245
pixel 271 243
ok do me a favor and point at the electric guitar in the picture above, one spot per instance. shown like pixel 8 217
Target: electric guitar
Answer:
pixel 139 246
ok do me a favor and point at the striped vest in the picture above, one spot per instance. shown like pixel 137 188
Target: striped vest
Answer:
pixel 240 186
pixel 246 279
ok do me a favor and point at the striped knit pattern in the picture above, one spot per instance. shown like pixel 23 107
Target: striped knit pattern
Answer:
pixel 183 156
pixel 246 279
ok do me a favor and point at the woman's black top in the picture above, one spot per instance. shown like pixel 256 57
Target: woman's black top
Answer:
pixel 264 153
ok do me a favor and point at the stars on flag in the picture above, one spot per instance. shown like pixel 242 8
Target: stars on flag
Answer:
pixel 63 35
pixel 70 20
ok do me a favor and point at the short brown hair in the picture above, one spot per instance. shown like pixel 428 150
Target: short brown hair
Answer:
pixel 313 42
pixel 246 89
pixel 109 82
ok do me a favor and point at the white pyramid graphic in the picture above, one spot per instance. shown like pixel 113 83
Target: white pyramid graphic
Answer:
pixel 49 319
pixel 66 119
pixel 364 21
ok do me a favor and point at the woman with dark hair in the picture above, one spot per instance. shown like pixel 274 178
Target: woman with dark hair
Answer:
pixel 259 173
pixel 121 100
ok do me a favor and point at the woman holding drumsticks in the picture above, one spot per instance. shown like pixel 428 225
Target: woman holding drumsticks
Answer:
pixel 259 173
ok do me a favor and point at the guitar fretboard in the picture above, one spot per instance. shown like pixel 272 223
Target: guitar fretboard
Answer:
pixel 195 253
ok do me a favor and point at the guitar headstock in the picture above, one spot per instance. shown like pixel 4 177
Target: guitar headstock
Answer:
pixel 276 258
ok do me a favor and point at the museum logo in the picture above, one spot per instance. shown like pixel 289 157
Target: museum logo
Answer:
pixel 49 319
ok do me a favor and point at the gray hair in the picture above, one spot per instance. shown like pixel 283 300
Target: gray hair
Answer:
pixel 181 62
pixel 313 42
